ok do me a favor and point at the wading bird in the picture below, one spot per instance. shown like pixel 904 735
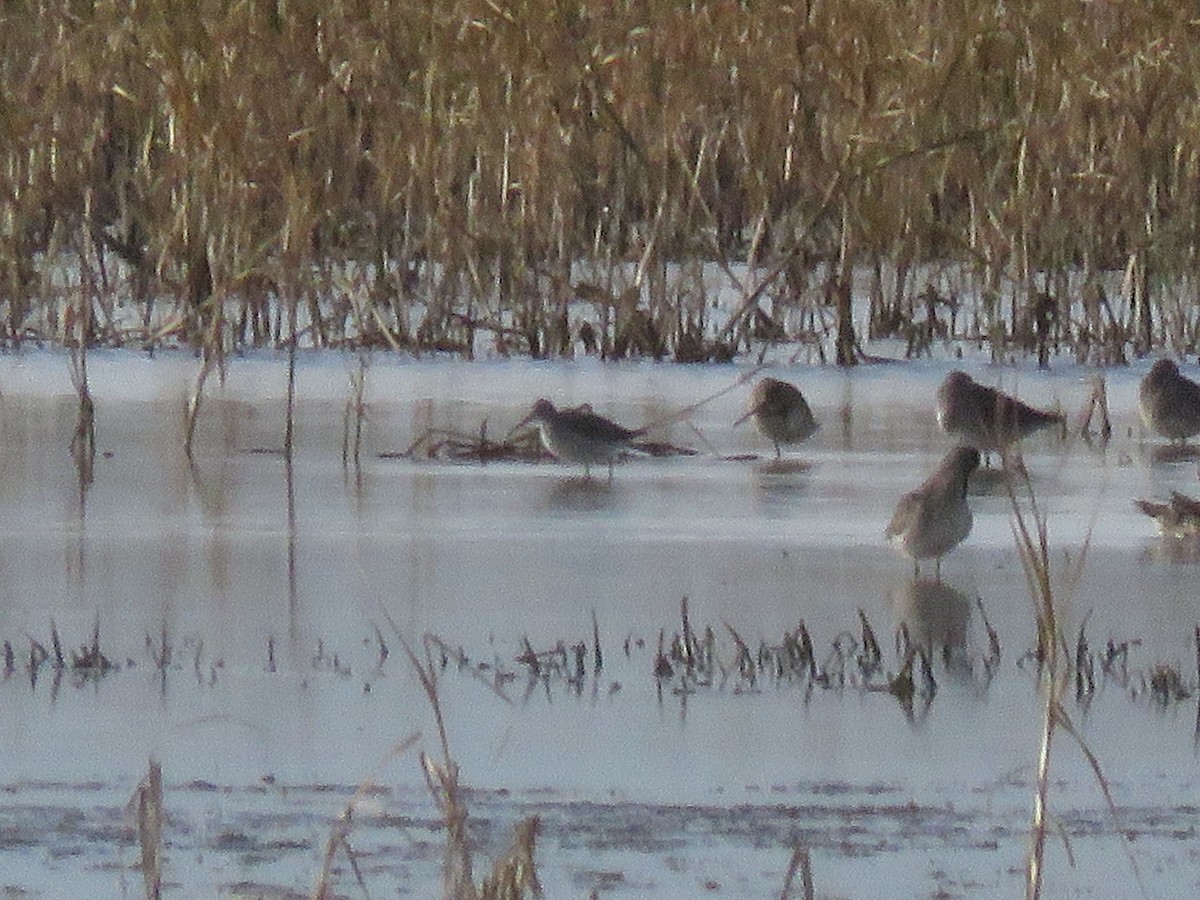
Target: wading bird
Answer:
pixel 781 413
pixel 1169 402
pixel 985 418
pixel 933 519
pixel 579 435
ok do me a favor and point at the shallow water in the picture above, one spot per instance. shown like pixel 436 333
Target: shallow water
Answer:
pixel 273 594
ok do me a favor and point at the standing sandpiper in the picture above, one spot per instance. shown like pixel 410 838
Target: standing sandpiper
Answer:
pixel 581 436
pixel 984 417
pixel 933 520
pixel 1169 402
pixel 780 412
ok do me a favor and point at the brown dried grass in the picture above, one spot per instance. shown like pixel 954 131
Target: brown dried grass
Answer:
pixel 410 176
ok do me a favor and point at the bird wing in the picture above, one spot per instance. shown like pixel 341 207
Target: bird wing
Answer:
pixel 1188 388
pixel 908 510
pixel 596 426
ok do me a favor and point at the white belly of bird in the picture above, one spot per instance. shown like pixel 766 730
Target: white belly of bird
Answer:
pixel 935 536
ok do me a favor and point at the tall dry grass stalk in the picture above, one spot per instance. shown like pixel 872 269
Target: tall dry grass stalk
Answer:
pixel 1054 659
pixel 513 876
pixel 504 170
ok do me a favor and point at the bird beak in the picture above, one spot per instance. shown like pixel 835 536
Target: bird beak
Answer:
pixel 745 416
pixel 524 422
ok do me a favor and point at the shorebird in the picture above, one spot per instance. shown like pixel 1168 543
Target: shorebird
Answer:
pixel 933 520
pixel 1179 517
pixel 579 435
pixel 1169 402
pixel 780 412
pixel 984 417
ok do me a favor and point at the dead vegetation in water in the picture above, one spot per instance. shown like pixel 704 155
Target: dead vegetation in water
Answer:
pixel 1093 669
pixel 575 665
pixel 690 660
pixel 710 658
pixel 513 875
pixel 86 663
pixel 523 445
pixel 447 177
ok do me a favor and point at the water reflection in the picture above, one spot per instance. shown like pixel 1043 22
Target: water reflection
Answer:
pixel 936 616
pixel 293 596
pixel 1180 549
pixel 262 588
pixel 582 494
pixel 778 484
pixel 212 496
pixel 783 467
pixel 1175 453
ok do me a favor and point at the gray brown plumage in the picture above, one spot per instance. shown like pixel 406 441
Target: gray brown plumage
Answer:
pixel 1170 403
pixel 984 417
pixel 579 435
pixel 935 518
pixel 781 413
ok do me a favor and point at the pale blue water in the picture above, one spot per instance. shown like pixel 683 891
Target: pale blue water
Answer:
pixel 640 795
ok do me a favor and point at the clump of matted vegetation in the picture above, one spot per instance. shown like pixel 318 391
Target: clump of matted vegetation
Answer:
pixel 555 178
pixel 521 446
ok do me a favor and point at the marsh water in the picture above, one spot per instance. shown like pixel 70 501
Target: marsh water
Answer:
pixel 254 613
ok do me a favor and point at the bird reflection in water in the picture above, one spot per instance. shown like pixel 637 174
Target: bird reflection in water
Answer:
pixel 783 467
pixel 935 619
pixel 936 615
pixel 582 494
pixel 1178 521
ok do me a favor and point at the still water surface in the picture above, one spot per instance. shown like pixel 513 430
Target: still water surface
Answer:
pixel 282 596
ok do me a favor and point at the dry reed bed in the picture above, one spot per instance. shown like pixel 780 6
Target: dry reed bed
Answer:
pixel 415 175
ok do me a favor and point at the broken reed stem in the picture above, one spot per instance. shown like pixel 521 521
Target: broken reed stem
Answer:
pixel 515 873
pixel 339 832
pixel 148 799
pixel 1035 560
pixel 442 781
pixel 597 656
